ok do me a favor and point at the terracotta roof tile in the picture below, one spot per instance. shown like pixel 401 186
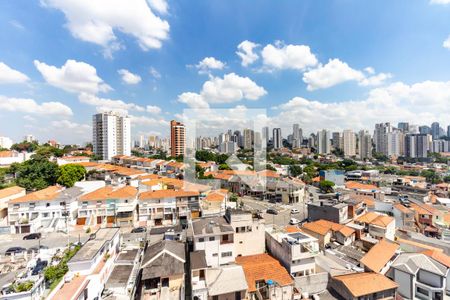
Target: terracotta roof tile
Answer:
pixel 312 227
pixel 360 186
pixel 263 267
pixel 360 284
pixel 438 256
pixel 49 193
pixel 108 192
pixel 11 191
pixel 166 194
pixel 379 255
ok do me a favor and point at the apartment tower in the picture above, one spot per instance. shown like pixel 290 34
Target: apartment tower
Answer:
pixel 177 138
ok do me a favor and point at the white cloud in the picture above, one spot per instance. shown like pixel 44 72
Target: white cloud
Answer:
pixel 246 53
pixel 419 103
pixel 333 73
pixel 128 77
pixel 104 104
pixel 78 132
pixel 209 63
pixel 337 71
pixel 97 21
pixel 153 109
pixel 147 121
pixel 29 106
pixel 17 24
pixel 9 75
pixel 160 6
pixel 155 73
pixel 230 88
pixel 446 43
pixel 73 76
pixel 279 57
pixel 440 1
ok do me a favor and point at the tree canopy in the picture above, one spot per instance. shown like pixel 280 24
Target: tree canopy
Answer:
pixel 326 186
pixel 35 174
pixel 69 174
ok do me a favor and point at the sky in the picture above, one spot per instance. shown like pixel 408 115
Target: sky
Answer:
pixel 344 64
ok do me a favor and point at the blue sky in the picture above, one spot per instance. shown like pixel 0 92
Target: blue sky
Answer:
pixel 322 64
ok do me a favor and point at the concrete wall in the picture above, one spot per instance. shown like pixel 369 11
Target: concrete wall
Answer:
pixel 404 281
pixel 312 284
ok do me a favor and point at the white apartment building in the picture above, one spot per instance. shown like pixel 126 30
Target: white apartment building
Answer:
pixel 395 143
pixel 111 135
pixel 108 205
pixel 5 142
pixel 44 210
pixel 380 136
pixel 216 237
pixel 167 207
pixel 323 142
pixel 295 250
pixel 349 141
pixel 277 138
pixel 364 145
pixel 249 232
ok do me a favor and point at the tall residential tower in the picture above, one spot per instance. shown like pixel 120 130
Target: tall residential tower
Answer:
pixel 177 138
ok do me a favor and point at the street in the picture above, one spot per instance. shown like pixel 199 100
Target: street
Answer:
pixel 284 210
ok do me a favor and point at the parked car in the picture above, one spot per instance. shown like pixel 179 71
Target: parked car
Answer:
pixel 273 201
pixel 272 211
pixel 32 236
pixel 294 211
pixel 35 249
pixel 15 250
pixel 138 230
pixel 294 221
pixel 40 266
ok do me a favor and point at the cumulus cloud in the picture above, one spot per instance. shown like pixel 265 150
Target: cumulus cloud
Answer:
pixel 419 103
pixel 30 106
pixel 336 72
pixel 147 121
pixel 246 53
pixel 209 63
pixel 280 56
pixel 73 76
pixel 128 77
pixel 446 43
pixel 9 75
pixel 230 88
pixel 153 109
pixel 98 21
pixel 105 104
pixel 440 1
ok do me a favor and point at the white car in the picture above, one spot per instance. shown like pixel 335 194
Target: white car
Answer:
pixel 294 211
pixel 294 221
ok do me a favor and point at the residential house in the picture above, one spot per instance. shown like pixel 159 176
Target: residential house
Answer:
pixel 167 207
pixel 377 225
pixel 72 160
pixel 226 283
pixel 427 217
pixel 108 205
pixel 331 210
pixel 162 275
pixel 366 285
pixel 48 209
pixel 295 249
pixel 404 217
pixel 342 234
pixel 322 234
pixel 198 275
pixel 380 257
pixel 362 189
pixel 6 195
pixel 215 202
pixel 419 276
pixel 266 277
pixel 89 268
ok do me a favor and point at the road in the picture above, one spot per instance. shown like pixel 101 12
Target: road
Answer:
pixel 284 210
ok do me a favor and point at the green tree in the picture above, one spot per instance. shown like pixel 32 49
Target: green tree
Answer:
pixel 233 197
pixel 224 167
pixel 431 176
pixel 69 174
pixel 326 186
pixel 269 167
pixel 36 173
pixel 295 170
pixel 25 146
pixel 447 179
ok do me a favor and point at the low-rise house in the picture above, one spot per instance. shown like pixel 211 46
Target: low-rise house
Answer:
pixel 89 268
pixel 404 217
pixel 215 236
pixel 72 160
pixel 331 210
pixel 163 271
pixel 342 234
pixel 266 277
pixel 285 190
pixel 361 189
pixel 419 276
pixel 366 285
pixel 198 275
pixel 167 207
pixel 380 257
pixel 322 234
pixel 377 225
pixel 226 282
pixel 108 205
pixel 48 209
pixel 427 217
pixel 296 250
pixel 9 157
pixel 336 176
pixel 6 195
pixel 215 202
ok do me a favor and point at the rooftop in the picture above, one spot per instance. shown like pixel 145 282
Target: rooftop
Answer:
pixel 226 279
pixel 412 262
pixel 90 249
pixel 166 194
pixel 11 191
pixel 49 193
pixel 119 276
pixel 379 255
pixel 360 284
pixel 211 226
pixel 110 192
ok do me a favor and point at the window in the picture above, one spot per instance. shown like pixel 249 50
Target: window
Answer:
pixel 201 240
pixel 422 291
pixel 211 238
pixel 214 254
pixel 47 204
pixel 227 254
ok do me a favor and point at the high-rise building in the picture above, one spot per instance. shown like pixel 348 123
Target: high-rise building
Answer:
pixel 439 146
pixel 277 139
pixel 395 143
pixel 424 129
pixel 413 128
pixel 111 135
pixel 248 139
pixel 448 131
pixel 349 143
pixel 323 142
pixel 364 145
pixel 177 138
pixel 5 142
pixel 336 140
pixel 380 137
pixel 416 145
pixel 265 134
pixel 297 136
pixel 403 126
pixel 435 130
